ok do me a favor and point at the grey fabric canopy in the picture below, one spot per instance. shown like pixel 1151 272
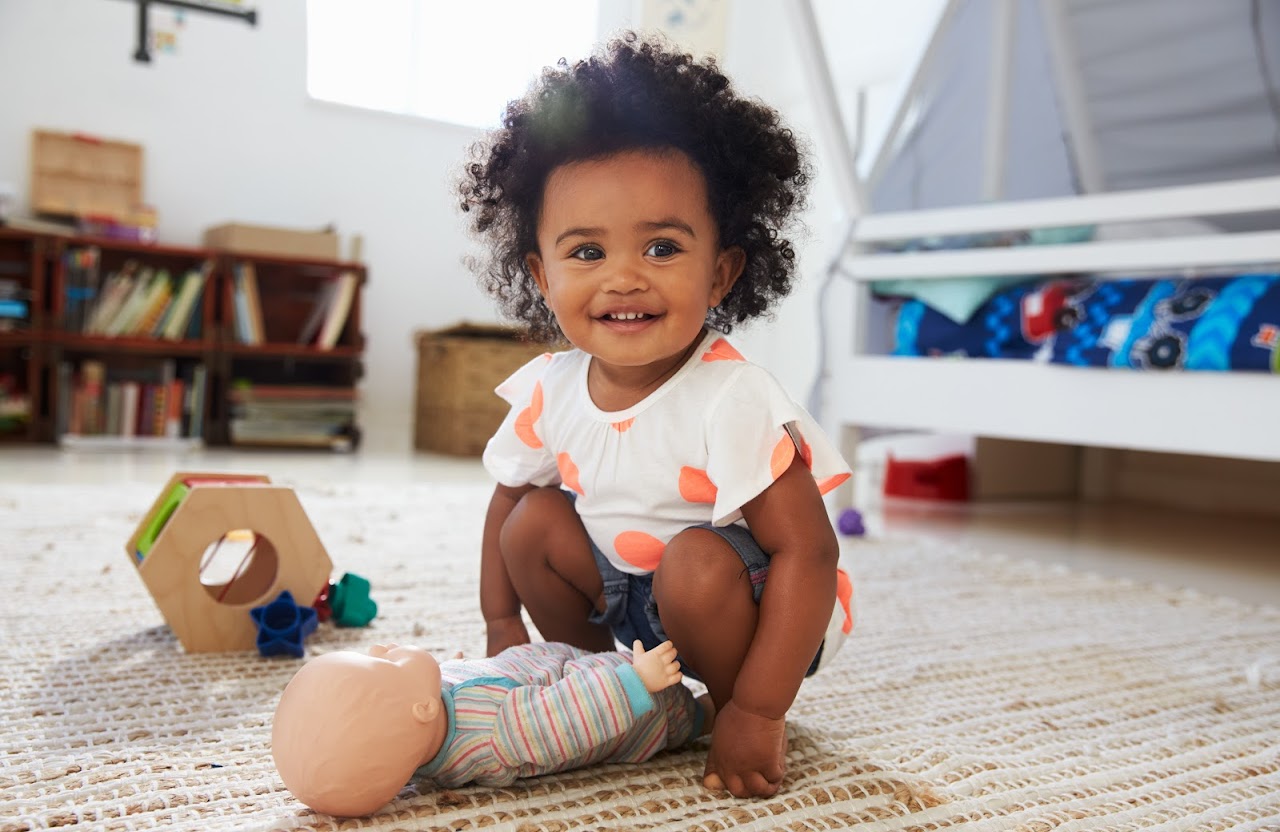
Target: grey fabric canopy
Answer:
pixel 1020 99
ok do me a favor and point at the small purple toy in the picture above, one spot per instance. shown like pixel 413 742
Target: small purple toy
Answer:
pixel 850 523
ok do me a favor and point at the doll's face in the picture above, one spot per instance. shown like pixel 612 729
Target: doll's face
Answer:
pixel 629 256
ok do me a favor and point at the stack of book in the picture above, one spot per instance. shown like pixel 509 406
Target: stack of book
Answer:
pixel 133 302
pixel 293 416
pixel 162 401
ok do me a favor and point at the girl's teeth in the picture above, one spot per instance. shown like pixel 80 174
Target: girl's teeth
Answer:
pixel 627 316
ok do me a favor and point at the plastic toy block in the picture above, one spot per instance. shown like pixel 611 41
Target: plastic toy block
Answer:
pixel 282 625
pixel 350 602
pixel 287 555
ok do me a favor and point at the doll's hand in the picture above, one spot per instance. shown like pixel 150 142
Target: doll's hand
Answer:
pixel 657 668
pixel 505 632
pixel 748 753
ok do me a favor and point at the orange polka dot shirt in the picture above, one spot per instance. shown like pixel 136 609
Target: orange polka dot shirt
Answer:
pixel 709 440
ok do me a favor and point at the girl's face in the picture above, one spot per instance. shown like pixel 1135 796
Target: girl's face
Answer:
pixel 629 258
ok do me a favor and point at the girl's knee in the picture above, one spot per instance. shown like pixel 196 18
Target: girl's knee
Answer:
pixel 698 568
pixel 530 518
pixel 531 511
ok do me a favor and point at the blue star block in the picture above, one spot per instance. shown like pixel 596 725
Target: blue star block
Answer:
pixel 282 625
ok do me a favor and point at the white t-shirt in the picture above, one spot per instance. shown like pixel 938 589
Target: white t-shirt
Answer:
pixel 709 440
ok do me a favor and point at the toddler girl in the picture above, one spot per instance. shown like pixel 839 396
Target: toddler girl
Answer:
pixel 653 484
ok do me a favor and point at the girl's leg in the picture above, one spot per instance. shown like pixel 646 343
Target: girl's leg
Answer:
pixel 704 596
pixel 707 607
pixel 548 558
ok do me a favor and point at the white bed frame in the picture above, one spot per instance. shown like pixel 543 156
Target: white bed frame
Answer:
pixel 1221 414
pixel 860 386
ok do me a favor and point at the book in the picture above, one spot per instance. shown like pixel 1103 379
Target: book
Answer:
pixel 175 403
pixel 196 325
pixel 124 319
pixel 254 301
pixel 115 291
pixel 130 393
pixel 312 325
pixel 80 286
pixel 339 309
pixel 199 381
pixel 92 379
pixel 149 314
pixel 178 321
pixel 248 305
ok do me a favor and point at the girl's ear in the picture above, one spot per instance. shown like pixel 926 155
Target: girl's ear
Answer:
pixel 534 263
pixel 729 265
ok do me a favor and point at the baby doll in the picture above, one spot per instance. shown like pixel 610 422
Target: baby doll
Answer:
pixel 652 482
pixel 352 729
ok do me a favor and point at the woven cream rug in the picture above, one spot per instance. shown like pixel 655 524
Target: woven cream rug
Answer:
pixel 979 693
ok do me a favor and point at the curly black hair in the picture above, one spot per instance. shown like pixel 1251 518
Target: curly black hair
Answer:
pixel 637 93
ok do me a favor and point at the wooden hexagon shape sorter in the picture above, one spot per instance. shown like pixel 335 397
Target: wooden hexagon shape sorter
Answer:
pixel 192 516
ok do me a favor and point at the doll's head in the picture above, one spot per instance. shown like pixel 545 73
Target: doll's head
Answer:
pixel 639 96
pixel 351 728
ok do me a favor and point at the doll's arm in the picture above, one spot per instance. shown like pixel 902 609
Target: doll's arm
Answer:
pixel 498 600
pixel 657 668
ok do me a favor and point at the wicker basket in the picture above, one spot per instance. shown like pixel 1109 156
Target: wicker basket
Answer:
pixel 458 367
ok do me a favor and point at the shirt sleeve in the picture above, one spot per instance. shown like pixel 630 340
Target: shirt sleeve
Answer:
pixel 515 454
pixel 547 726
pixel 755 432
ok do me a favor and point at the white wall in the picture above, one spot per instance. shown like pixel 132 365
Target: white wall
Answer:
pixel 230 133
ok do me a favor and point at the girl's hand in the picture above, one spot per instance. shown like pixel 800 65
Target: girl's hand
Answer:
pixel 748 753
pixel 657 668
pixel 502 633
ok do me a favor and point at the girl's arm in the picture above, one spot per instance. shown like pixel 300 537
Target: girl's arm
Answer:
pixel 498 600
pixel 789 520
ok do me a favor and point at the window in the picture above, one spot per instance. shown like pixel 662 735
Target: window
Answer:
pixel 458 61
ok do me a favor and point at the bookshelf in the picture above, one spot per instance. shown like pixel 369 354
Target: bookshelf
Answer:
pixel 292 372
pixel 129 345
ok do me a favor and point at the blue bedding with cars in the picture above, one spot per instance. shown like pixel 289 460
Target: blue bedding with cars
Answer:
pixel 1207 323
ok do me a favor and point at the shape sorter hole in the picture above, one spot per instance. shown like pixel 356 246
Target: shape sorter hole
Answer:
pixel 239 567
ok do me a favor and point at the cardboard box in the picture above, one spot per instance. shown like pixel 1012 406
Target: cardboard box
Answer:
pixel 458 367
pixel 280 242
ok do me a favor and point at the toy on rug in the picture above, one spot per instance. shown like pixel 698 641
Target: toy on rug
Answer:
pixel 194 515
pixel 352 729
pixel 850 523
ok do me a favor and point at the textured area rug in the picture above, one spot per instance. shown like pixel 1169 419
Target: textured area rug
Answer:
pixel 978 693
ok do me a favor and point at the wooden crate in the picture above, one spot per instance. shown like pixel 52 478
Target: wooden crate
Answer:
pixel 458 367
pixel 78 175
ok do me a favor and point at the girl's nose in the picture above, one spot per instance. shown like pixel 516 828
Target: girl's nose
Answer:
pixel 626 275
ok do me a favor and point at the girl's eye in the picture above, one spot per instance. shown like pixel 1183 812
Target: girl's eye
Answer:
pixel 587 252
pixel 662 248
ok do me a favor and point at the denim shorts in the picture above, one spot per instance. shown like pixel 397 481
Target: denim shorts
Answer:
pixel 629 606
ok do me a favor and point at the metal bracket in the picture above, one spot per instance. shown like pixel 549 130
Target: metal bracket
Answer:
pixel 143 52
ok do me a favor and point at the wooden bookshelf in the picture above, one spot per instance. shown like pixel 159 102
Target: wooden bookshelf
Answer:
pixel 76 357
